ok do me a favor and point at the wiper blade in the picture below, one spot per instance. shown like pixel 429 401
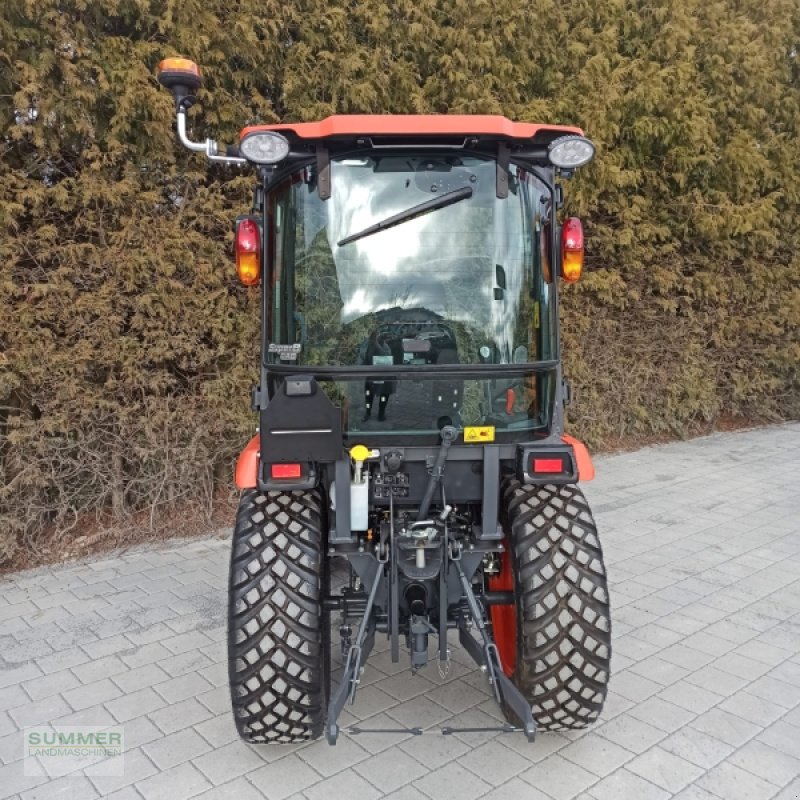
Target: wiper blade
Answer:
pixel 442 201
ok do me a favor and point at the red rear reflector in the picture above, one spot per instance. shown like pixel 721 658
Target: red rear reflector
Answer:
pixel 548 465
pixel 286 471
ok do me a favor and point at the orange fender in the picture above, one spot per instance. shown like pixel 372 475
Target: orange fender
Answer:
pixel 247 464
pixel 584 460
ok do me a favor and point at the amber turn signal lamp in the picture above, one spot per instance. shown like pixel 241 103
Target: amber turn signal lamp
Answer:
pixel 571 249
pixel 248 252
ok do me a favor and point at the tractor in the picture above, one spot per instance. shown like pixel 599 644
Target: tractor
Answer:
pixel 410 403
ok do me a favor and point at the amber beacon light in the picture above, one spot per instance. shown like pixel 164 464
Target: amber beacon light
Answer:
pixel 183 78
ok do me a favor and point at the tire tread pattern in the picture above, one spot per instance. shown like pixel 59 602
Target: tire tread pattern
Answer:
pixel 563 620
pixel 276 646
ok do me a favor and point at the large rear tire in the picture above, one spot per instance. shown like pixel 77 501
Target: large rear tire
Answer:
pixel 278 639
pixel 557 635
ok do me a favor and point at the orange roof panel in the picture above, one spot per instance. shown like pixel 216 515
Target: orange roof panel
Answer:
pixel 414 125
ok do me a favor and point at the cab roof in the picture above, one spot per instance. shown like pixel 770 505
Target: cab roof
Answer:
pixel 418 126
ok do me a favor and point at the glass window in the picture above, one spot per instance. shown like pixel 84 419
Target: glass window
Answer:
pixel 465 283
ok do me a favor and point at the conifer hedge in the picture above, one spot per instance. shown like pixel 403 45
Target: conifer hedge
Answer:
pixel 127 348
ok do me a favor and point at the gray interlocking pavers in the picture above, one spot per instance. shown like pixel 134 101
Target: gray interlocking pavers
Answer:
pixel 732 783
pixel 70 786
pixel 702 542
pixel 283 778
pixel 624 784
pixel 13 696
pixel 176 783
pixel 140 731
pixel 143 701
pixel 693 745
pixel 47 686
pixel 343 784
pixel 451 782
pixel 174 749
pixel 91 694
pixel 665 769
pixel 39 712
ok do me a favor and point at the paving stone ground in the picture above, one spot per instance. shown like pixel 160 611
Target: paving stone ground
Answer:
pixel 702 542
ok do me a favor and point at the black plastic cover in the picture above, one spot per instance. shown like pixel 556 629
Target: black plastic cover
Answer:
pixel 301 424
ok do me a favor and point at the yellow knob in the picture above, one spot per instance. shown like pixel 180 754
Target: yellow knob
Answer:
pixel 360 453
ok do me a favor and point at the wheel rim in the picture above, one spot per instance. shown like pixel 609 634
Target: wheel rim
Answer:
pixel 504 618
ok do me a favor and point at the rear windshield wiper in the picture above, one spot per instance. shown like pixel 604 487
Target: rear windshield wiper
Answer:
pixel 411 213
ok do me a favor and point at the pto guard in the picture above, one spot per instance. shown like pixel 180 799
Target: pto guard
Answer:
pixel 247 465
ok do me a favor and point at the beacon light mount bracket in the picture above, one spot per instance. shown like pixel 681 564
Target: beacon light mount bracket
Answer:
pixel 183 78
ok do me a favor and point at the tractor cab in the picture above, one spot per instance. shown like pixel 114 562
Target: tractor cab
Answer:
pixel 410 405
pixel 410 262
pixel 412 250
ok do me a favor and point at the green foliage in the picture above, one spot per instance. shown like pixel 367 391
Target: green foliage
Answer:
pixel 126 346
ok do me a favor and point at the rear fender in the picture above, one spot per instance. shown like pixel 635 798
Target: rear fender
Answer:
pixel 582 458
pixel 247 464
pixel 251 474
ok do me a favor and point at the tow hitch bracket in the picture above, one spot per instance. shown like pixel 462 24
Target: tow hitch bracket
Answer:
pixel 356 656
pixel 488 658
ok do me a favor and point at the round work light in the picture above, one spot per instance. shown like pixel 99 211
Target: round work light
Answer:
pixel 264 147
pixel 570 152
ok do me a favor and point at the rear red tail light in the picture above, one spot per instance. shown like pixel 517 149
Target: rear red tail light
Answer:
pixel 286 470
pixel 248 252
pixel 571 249
pixel 548 465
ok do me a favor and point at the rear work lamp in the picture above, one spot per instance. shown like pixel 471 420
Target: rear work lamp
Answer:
pixel 264 147
pixel 570 152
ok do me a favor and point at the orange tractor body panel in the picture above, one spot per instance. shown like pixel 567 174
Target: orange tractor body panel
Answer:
pixel 413 125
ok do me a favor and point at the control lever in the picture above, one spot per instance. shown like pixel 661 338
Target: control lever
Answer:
pixel 449 434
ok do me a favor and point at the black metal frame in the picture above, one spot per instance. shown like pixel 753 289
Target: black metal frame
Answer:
pixel 378 571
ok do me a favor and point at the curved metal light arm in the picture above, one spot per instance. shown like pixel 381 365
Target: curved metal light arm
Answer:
pixel 209 146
